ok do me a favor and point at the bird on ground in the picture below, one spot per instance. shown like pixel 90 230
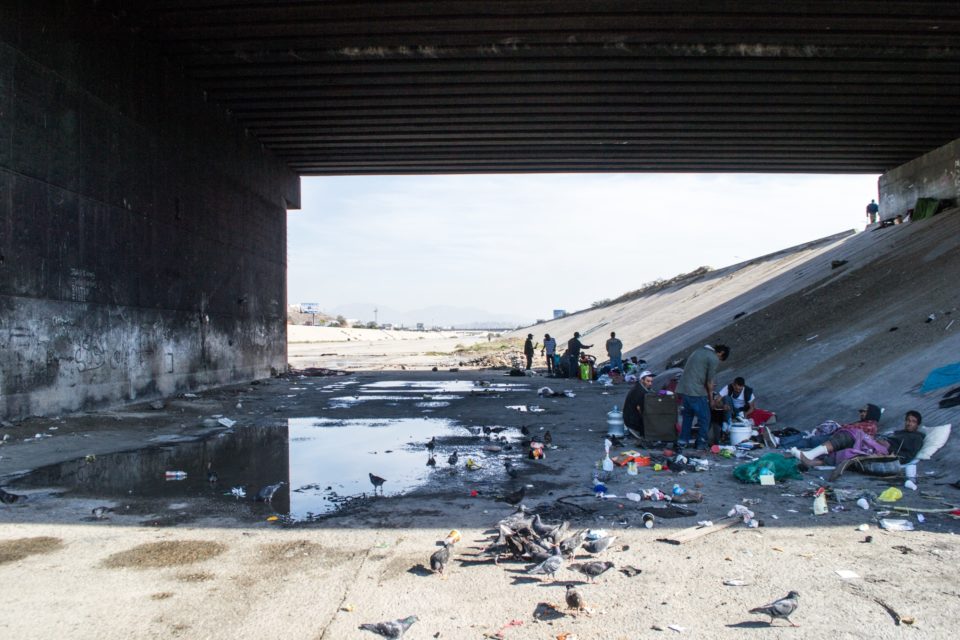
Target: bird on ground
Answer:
pixel 547 438
pixel 432 444
pixel 377 481
pixel 592 569
pixel 431 461
pixel 570 545
pixel 598 545
pixel 516 497
pixel 391 629
pixel 541 528
pixel 454 457
pixel 440 558
pixel 487 431
pixel 524 430
pixel 782 608
pixel 511 470
pixel 574 599
pixel 549 566
pixel 211 474
pixel 266 493
pixel 9 498
pixel 100 513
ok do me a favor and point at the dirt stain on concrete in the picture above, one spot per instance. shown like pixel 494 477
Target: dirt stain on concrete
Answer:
pixel 20 548
pixel 169 553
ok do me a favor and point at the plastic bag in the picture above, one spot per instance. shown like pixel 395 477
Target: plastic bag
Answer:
pixel 783 468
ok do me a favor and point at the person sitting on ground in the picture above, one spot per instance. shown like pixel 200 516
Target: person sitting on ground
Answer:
pixel 633 404
pixel 737 400
pixel 846 443
pixel 868 423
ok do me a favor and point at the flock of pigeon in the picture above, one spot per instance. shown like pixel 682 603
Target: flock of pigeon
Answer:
pixel 549 548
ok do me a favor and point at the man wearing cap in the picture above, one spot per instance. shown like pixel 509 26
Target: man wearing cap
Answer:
pixel 633 405
pixel 528 350
pixel 573 354
pixel 696 389
pixel 549 350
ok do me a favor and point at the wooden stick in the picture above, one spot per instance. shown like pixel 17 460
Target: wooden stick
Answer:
pixel 692 533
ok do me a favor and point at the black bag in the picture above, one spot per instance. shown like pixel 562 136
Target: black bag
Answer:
pixel 660 417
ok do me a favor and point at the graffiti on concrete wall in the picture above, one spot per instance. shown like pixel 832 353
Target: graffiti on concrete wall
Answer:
pixel 90 353
pixel 81 283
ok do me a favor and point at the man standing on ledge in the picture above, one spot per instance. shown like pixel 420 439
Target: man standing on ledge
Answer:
pixel 696 388
pixel 549 349
pixel 873 211
pixel 615 352
pixel 573 354
pixel 528 350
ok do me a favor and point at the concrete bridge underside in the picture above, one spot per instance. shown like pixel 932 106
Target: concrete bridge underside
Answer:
pixel 149 150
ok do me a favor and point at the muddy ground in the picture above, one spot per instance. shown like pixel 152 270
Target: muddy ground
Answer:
pixel 206 567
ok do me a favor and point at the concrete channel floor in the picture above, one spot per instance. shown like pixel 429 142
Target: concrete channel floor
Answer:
pixel 220 567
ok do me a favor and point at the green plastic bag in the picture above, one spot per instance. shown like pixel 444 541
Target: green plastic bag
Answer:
pixel 782 467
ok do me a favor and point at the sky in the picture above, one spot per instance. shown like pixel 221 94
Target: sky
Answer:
pixel 520 246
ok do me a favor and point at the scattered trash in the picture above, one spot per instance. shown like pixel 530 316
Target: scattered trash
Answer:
pixel 846 574
pixel 705 523
pixel 676 627
pixel 175 475
pixel 227 422
pixel 238 492
pixel 891 524
pixel 453 537
pixel 735 583
pixel 920 518
pixel 910 484
pixel 820 502
pixel 630 571
pixel 890 494
pixel 863 504
pixel 648 520
pixel 863 527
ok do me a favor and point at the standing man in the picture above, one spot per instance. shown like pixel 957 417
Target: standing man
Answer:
pixel 633 405
pixel 873 211
pixel 549 349
pixel 696 388
pixel 573 354
pixel 615 352
pixel 528 350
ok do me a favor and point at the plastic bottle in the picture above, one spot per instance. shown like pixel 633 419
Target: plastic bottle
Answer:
pixel 678 490
pixel 175 475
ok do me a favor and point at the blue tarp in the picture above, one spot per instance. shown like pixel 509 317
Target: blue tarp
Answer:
pixel 941 377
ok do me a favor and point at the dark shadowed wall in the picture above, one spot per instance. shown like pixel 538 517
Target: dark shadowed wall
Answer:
pixel 142 232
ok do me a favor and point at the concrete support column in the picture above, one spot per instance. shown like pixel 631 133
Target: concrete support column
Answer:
pixel 142 232
pixel 932 175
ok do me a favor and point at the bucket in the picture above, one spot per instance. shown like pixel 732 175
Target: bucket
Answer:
pixel 739 433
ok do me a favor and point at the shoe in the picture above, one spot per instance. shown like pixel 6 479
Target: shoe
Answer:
pixel 769 439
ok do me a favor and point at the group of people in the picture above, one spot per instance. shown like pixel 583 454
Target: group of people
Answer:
pixel 569 362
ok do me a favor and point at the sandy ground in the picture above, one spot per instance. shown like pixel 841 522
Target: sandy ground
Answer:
pixel 230 573
pixel 378 350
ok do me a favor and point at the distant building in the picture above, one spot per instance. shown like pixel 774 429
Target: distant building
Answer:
pixel 559 313
pixel 419 326
pixel 310 307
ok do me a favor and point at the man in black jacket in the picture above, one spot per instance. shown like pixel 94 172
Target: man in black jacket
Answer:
pixel 633 405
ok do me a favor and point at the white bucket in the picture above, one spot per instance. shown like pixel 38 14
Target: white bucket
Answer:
pixel 739 433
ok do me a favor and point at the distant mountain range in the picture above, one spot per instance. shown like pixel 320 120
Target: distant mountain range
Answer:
pixel 433 316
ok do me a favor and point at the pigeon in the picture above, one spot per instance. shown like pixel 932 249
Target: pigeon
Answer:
pixel 524 430
pixel 598 545
pixel 511 470
pixel 487 431
pixel 377 481
pixel 541 528
pixel 547 438
pixel 574 599
pixel 432 444
pixel 440 558
pixel 516 497
pixel 9 498
pixel 211 474
pixel 431 461
pixel 266 494
pixel 570 545
pixel 592 569
pixel 453 458
pixel 782 608
pixel 100 513
pixel 549 566
pixel 391 629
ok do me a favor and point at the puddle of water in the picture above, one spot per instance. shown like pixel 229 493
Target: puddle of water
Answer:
pixel 323 463
pixel 444 386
